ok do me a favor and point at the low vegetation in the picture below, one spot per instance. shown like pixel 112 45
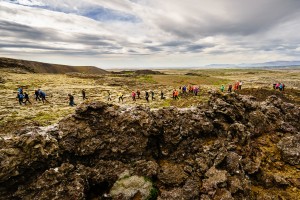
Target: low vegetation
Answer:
pixel 57 86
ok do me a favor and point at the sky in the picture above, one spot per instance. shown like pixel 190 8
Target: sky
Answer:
pixel 150 33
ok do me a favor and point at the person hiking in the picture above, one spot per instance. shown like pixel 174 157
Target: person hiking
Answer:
pixel 138 94
pixel 176 94
pixel 283 86
pixel 173 94
pixel 240 85
pixel 280 86
pixel 120 97
pixel 184 89
pixel 274 86
pixel 26 97
pixel 20 90
pixel 83 94
pixel 42 95
pixel 37 95
pixel 20 98
pixel 152 95
pixel 71 100
pixel 162 95
pixel 230 88
pixel 147 96
pixel 190 89
pixel 222 88
pixel 108 96
pixel 236 86
pixel 196 90
pixel 133 94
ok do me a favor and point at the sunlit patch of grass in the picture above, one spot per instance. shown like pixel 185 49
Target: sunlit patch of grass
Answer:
pixel 47 118
pixel 146 79
pixel 167 103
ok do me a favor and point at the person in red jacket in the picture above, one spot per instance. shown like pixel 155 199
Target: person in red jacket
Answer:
pixel 133 94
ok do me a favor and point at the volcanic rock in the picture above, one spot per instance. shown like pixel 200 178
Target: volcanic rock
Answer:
pixel 215 151
pixel 290 149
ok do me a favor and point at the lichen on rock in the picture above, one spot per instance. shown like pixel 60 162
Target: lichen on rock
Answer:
pixel 128 187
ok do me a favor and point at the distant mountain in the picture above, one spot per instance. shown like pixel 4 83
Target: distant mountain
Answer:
pixel 39 67
pixel 273 64
pixel 221 66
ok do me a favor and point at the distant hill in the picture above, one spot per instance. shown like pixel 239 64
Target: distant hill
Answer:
pixel 147 72
pixel 273 64
pixel 138 72
pixel 39 67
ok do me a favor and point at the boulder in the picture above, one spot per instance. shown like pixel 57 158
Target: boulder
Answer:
pixel 290 149
pixel 214 177
pixel 172 174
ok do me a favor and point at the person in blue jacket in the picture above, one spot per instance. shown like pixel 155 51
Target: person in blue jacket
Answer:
pixel 20 97
pixel 42 95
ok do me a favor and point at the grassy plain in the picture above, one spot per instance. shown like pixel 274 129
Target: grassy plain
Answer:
pixel 13 116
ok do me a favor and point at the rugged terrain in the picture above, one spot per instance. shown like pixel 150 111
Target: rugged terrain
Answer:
pixel 232 147
pixel 241 145
pixel 14 117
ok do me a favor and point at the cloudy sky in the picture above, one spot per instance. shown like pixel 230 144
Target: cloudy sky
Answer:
pixel 150 33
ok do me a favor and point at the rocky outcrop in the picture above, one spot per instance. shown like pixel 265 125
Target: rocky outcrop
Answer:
pixel 103 151
pixel 290 148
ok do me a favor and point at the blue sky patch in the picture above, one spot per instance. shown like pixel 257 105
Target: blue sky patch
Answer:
pixel 104 14
pixel 97 13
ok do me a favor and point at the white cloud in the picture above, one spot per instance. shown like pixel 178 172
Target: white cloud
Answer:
pixel 150 33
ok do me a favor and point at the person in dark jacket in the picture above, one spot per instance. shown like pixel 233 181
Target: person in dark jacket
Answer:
pixel 147 96
pixel 83 94
pixel 71 100
pixel 230 88
pixel 37 95
pixel 26 97
pixel 152 95
pixel 162 95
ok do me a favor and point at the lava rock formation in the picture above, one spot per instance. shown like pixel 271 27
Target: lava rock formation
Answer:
pixel 233 147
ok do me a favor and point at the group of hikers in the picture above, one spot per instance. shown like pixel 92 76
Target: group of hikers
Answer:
pixel 137 95
pixel 183 90
pixel 237 86
pixel 39 95
pixel 175 95
pixel 187 89
pixel 278 86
